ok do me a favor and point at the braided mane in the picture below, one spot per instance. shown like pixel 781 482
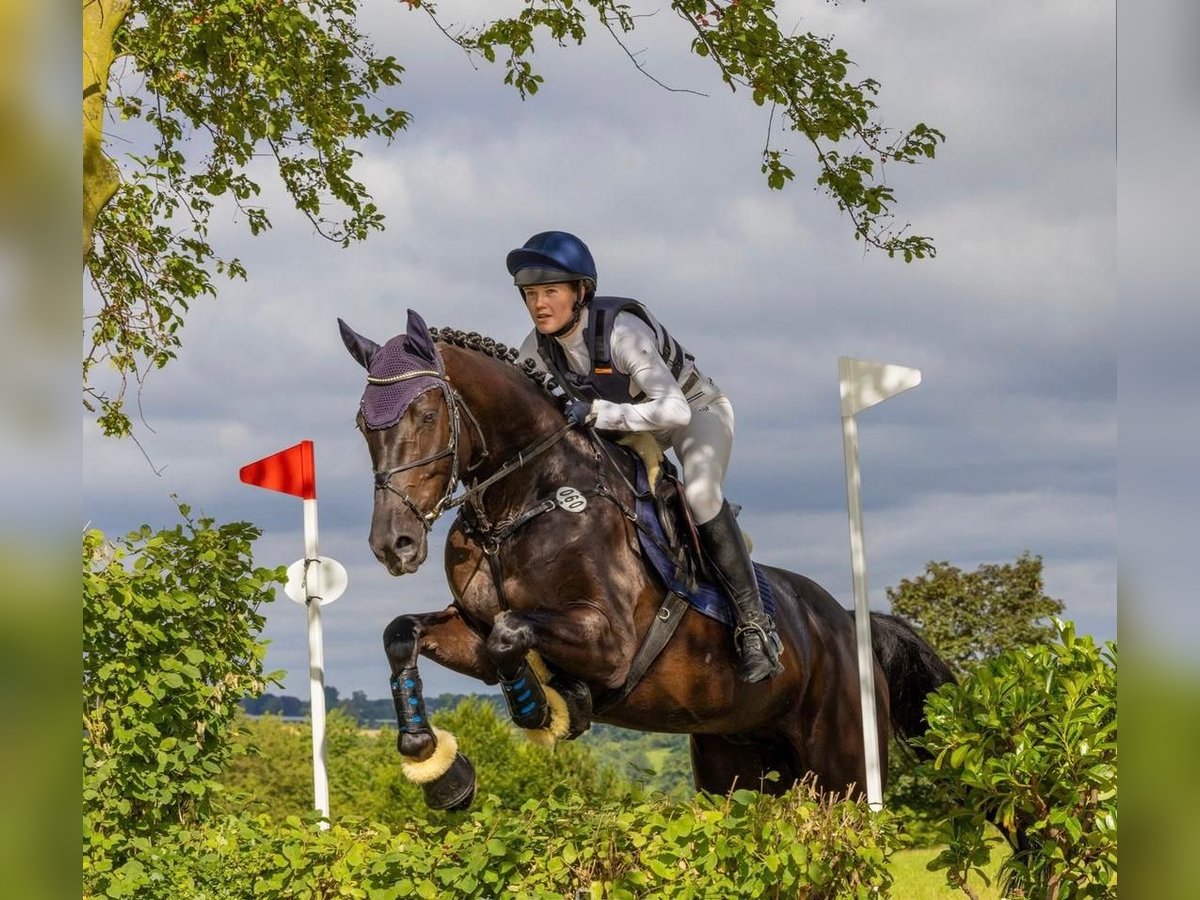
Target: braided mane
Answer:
pixel 473 340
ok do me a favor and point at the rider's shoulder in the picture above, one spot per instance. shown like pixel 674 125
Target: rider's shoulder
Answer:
pixel 629 323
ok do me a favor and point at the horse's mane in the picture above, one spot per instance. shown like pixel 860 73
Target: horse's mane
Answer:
pixel 473 340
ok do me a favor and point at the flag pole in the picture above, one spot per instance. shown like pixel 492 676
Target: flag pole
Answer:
pixel 863 384
pixel 316 657
pixel 311 581
pixel 862 615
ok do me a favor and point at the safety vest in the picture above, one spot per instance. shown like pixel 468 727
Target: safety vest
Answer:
pixel 604 382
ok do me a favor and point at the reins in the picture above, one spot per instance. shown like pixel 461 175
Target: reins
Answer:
pixel 493 535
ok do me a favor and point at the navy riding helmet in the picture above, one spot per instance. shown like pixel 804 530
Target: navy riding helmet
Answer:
pixel 552 256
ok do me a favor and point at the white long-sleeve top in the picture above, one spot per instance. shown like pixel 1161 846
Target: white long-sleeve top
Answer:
pixel 635 353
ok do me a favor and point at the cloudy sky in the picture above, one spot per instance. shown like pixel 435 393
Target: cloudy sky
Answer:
pixel 1008 445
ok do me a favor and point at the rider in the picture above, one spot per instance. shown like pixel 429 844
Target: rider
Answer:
pixel 622 371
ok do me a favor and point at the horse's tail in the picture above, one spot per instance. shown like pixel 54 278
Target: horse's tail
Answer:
pixel 913 670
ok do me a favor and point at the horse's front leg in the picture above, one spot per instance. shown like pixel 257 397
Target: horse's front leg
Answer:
pixel 550 709
pixel 430 756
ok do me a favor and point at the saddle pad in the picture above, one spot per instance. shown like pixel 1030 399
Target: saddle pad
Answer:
pixel 707 598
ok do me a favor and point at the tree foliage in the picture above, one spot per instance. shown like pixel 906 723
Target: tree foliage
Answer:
pixel 218 83
pixel 1029 741
pixel 973 616
pixel 802 76
pixel 206 87
pixel 170 645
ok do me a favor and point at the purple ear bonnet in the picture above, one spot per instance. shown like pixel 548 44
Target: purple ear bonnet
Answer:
pixel 388 396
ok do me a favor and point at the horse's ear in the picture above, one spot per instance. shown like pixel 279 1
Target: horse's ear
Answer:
pixel 419 341
pixel 361 348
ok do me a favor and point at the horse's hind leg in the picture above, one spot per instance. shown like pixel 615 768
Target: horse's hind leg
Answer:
pixel 720 764
pixel 833 752
pixel 431 756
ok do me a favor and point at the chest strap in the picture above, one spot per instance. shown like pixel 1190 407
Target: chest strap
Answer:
pixel 666 621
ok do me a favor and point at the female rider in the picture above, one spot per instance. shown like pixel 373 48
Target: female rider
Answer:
pixel 622 371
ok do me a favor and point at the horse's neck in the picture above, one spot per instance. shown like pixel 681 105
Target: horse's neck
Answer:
pixel 509 410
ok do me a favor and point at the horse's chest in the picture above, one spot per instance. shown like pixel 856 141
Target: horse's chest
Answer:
pixel 483 584
pixel 508 578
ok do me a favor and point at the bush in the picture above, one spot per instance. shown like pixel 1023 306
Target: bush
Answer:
pixel 1028 741
pixel 912 796
pixel 364 769
pixel 747 845
pixel 170 626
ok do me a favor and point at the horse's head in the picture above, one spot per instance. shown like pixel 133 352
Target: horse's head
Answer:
pixel 409 419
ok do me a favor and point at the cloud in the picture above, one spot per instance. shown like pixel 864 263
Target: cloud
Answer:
pixel 1008 444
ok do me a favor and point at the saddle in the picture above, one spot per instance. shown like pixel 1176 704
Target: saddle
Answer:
pixel 670 545
pixel 668 538
pixel 674 516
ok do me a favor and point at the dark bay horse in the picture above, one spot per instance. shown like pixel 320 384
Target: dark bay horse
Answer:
pixel 552 599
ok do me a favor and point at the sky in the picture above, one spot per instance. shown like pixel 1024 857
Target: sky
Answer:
pixel 1008 445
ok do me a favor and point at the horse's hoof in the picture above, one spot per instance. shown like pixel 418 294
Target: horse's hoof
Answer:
pixel 455 789
pixel 578 699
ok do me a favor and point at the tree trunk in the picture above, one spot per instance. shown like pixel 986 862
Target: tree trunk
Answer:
pixel 101 19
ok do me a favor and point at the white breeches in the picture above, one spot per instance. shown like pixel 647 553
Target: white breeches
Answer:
pixel 703 447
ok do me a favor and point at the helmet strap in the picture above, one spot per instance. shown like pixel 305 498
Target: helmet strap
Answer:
pixel 582 297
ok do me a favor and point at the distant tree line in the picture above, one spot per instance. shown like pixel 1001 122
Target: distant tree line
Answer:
pixel 366 712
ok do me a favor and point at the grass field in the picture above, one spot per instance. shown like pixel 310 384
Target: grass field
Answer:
pixel 915 882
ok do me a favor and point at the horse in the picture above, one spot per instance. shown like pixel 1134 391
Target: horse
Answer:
pixel 553 600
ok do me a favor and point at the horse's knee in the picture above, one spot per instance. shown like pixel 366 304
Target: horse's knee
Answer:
pixel 400 641
pixel 508 643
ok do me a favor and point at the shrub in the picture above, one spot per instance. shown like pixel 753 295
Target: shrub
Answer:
pixel 918 804
pixel 1028 741
pixel 364 769
pixel 747 845
pixel 170 626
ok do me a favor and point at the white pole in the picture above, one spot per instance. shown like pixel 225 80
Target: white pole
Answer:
pixel 316 658
pixel 862 615
pixel 863 384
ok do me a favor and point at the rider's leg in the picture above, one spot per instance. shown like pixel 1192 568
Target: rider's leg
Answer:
pixel 703 448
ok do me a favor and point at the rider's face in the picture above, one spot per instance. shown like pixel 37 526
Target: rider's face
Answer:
pixel 550 305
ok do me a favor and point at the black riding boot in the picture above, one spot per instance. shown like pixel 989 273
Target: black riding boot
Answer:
pixel 755 638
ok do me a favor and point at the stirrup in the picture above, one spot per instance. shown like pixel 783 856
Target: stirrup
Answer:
pixel 772 644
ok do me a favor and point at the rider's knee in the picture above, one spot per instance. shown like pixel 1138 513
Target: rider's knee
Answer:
pixel 704 499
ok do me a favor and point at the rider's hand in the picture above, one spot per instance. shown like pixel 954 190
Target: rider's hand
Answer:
pixel 579 413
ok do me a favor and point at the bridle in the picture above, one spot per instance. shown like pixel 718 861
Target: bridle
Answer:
pixel 454 403
pixel 383 478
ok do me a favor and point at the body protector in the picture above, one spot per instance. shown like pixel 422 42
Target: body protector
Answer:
pixel 604 381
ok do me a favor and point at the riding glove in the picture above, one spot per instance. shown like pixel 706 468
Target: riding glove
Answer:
pixel 579 413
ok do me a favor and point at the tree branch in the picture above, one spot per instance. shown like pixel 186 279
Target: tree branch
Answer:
pixel 641 66
pixel 101 178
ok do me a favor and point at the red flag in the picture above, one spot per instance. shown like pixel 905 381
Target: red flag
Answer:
pixel 291 471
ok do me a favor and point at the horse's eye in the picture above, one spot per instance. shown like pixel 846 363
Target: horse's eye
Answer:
pixel 429 417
